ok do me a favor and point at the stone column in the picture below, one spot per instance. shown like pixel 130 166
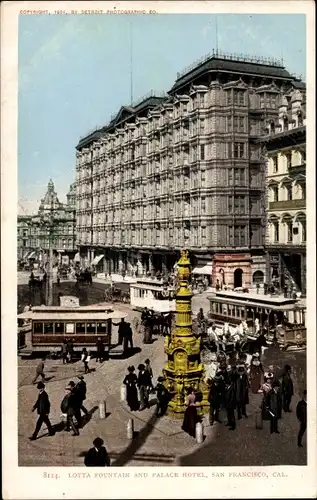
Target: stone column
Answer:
pixel 303 274
pixel 105 264
pixel 151 269
pixel 164 266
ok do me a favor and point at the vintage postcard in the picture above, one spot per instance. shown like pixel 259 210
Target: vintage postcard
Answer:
pixel 158 250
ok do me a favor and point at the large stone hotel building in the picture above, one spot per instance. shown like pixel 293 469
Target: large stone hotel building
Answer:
pixel 183 171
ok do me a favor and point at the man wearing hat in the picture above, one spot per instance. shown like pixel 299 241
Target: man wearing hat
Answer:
pixel 43 407
pixel 162 397
pixel 144 381
pixel 287 388
pixel 275 406
pixel 215 396
pixel 80 392
pixel 69 406
pixel 97 456
pixel 242 391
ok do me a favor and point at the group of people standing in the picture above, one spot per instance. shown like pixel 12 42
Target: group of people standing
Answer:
pixel 153 323
pixel 71 407
pixel 229 390
pixel 139 387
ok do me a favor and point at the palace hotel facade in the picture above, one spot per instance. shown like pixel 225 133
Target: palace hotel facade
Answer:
pixel 186 170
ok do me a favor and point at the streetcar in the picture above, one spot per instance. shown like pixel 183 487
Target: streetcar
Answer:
pixel 153 294
pixel 282 318
pixel 50 326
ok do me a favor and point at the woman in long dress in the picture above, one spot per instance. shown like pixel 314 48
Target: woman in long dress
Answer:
pixel 190 416
pixel 130 382
pixel 256 374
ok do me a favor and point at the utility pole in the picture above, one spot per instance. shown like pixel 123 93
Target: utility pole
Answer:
pixel 49 281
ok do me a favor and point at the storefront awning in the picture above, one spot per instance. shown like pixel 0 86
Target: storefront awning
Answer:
pixel 32 255
pixel 25 256
pixel 77 257
pixel 97 260
pixel 206 270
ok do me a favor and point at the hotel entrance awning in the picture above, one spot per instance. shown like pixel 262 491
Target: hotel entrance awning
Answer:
pixel 97 260
pixel 206 269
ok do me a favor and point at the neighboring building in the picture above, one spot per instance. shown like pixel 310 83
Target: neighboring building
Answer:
pixel 286 176
pixel 184 171
pixel 33 233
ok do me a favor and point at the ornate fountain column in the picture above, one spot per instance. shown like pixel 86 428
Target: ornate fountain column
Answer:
pixel 184 368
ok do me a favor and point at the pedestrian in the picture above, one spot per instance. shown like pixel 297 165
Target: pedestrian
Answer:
pixel 64 352
pixel 98 455
pixel 39 371
pixel 143 384
pixel 100 348
pixel 70 350
pixel 130 382
pixel 215 397
pixel 84 358
pixel 242 391
pixel 190 415
pixel 287 388
pixel 69 406
pixel 265 287
pixel 274 407
pixel 43 407
pixel 256 373
pixel 148 368
pixel 129 336
pixel 301 414
pixel 161 397
pixel 230 399
pixel 121 331
pixel 81 391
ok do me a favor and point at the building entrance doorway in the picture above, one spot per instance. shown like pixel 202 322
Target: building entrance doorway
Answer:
pixel 238 278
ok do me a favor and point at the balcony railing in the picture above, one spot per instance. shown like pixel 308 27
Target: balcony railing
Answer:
pixel 287 204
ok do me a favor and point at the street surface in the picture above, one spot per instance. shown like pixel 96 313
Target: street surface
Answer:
pixel 159 442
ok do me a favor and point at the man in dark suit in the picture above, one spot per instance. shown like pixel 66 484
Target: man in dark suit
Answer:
pixel 80 392
pixel 301 413
pixel 43 407
pixel 230 398
pixel 275 407
pixel 97 456
pixel 287 388
pixel 242 391
pixel 70 406
pixel 144 381
pixel 40 371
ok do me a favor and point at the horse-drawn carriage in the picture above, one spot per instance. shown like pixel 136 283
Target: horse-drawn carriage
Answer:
pixel 115 294
pixel 84 277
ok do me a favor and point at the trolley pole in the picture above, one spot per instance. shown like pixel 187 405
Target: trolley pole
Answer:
pixel 50 271
pixel 49 281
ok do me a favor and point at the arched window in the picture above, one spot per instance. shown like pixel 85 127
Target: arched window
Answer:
pixel 285 124
pixel 258 277
pixel 299 119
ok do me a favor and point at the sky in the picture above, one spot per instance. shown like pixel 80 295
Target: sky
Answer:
pixel 74 73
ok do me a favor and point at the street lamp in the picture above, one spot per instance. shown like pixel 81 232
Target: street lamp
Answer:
pixel 47 221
